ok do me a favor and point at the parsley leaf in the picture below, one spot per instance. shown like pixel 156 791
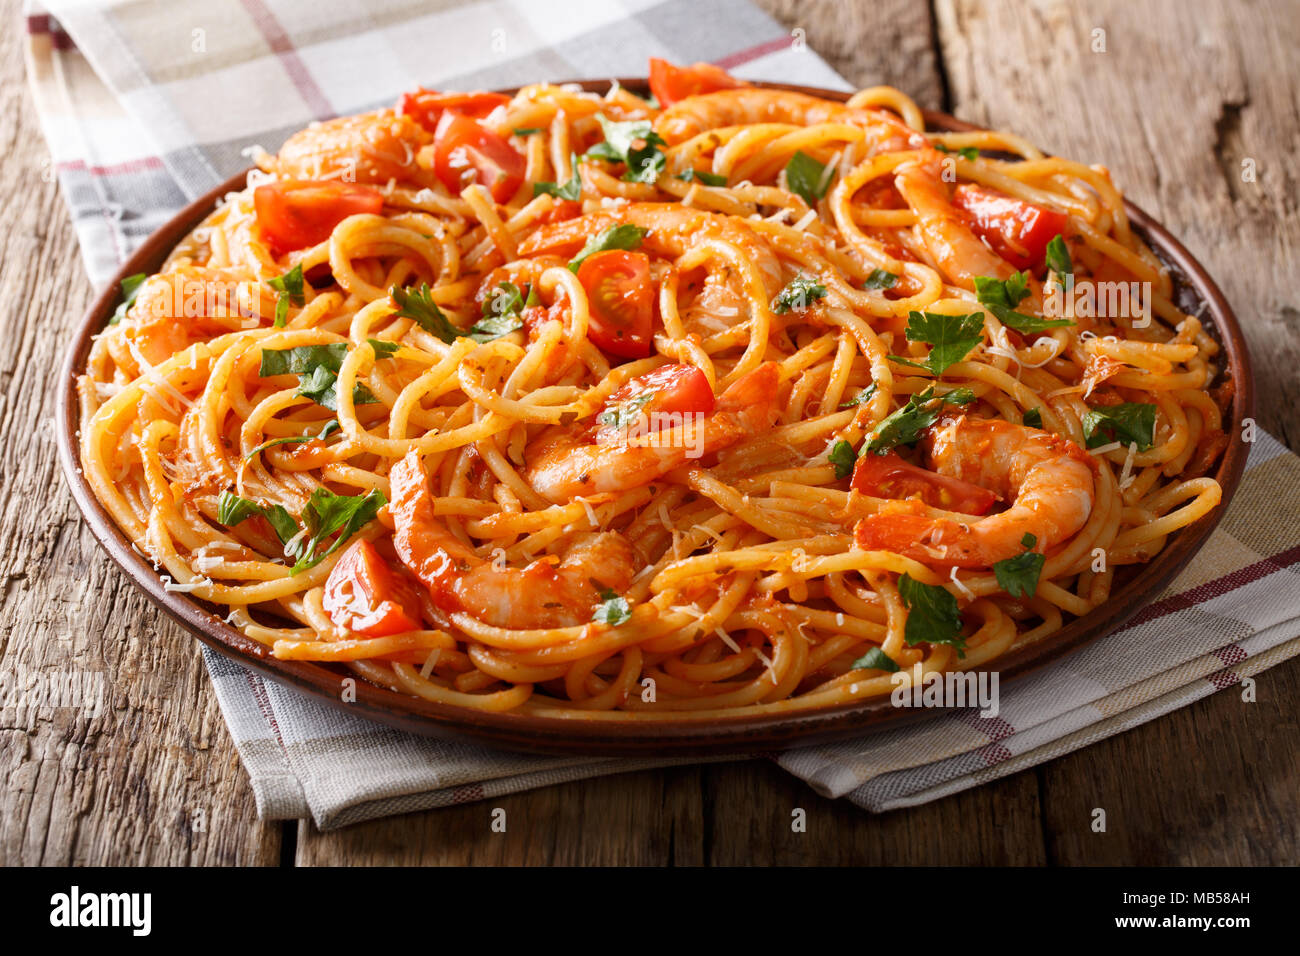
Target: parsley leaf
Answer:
pixel 966 152
pixel 861 398
pixel 502 313
pixel 1002 296
pixel 624 413
pixel 233 510
pixel 289 286
pixel 327 513
pixel 625 236
pixel 317 368
pixel 807 177
pixel 130 288
pixel 800 293
pixel 951 336
pixel 701 176
pixel 418 304
pixel 644 162
pixel 1126 423
pixel 1058 257
pixel 384 349
pixel 1018 576
pixel 876 660
pixel 880 279
pixel 330 428
pixel 612 609
pixel 843 458
pixel 904 426
pixel 933 617
pixel 1033 417
pixel 571 190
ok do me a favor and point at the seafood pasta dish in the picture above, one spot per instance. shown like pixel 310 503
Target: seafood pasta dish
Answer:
pixel 726 400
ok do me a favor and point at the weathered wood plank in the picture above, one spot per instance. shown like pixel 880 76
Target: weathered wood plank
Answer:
pixel 1180 97
pixel 134 780
pixel 651 818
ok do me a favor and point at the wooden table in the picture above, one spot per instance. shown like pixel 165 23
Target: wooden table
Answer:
pixel 1182 95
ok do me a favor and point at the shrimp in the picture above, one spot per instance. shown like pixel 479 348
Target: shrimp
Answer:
pixel 563 468
pixel 180 306
pixel 368 148
pixel 955 249
pixel 544 594
pixel 1047 478
pixel 671 230
pixel 747 106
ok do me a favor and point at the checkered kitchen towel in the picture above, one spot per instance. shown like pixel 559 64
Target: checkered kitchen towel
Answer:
pixel 147 105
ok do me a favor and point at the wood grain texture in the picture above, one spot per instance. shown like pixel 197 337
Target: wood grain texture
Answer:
pixel 150 775
pixel 1184 93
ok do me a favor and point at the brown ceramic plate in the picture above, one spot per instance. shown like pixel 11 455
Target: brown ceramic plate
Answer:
pixel 1196 290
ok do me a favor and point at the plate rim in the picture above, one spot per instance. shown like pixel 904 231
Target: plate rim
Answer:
pixel 605 737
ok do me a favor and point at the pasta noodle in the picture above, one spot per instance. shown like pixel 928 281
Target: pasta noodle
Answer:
pixel 576 404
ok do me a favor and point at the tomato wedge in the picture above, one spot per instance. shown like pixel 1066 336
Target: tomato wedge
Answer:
pixel 681 391
pixel 620 299
pixel 363 594
pixel 1018 231
pixel 888 476
pixel 426 107
pixel 465 151
pixel 670 83
pixel 295 214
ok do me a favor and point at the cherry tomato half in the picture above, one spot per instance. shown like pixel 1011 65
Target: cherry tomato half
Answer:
pixel 363 594
pixel 620 299
pixel 888 476
pixel 672 389
pixel 670 83
pixel 1018 231
pixel 426 107
pixel 465 151
pixel 295 214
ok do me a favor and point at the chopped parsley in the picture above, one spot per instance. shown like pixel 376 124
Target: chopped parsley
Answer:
pixel 800 293
pixel 876 660
pixel 1058 258
pixel 526 130
pixel 700 176
pixel 1033 417
pixel 933 617
pixel 807 178
pixel 329 428
pixel 130 288
pixel 1018 576
pixel 418 304
pixel 570 190
pixel 233 510
pixel 634 144
pixel 842 457
pixel 880 279
pixel 951 338
pixel 861 398
pixel 327 513
pixel 289 286
pixel 904 426
pixel 612 609
pixel 966 152
pixel 624 413
pixel 1001 296
pixel 502 312
pixel 1127 423
pixel 624 236
pixel 317 368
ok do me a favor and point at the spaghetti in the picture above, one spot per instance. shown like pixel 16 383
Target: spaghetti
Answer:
pixel 587 405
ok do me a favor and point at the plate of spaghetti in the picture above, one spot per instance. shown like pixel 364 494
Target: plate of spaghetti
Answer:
pixel 654 417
